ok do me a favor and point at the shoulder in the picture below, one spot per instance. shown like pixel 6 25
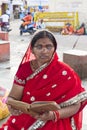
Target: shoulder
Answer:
pixel 24 66
pixel 23 69
pixel 22 73
pixel 64 65
pixel 65 68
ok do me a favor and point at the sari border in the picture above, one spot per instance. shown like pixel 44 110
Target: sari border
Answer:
pixel 39 69
pixel 75 100
pixel 36 72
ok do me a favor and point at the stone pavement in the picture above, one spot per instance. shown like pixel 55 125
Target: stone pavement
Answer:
pixel 18 46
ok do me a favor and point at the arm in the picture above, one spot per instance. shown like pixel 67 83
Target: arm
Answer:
pixel 17 108
pixel 63 113
pixel 15 94
pixel 69 111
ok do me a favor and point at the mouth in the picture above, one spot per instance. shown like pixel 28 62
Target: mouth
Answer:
pixel 43 57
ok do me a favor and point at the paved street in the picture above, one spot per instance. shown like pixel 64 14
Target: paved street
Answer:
pixel 18 46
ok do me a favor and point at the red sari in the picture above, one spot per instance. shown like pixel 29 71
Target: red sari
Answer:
pixel 53 82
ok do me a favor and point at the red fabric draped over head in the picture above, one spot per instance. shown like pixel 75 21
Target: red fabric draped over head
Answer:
pixel 28 56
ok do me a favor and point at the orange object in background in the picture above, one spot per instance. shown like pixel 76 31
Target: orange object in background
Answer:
pixel 27 19
pixel 67 29
pixel 80 30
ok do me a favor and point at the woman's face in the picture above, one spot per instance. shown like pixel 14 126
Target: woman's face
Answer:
pixel 43 50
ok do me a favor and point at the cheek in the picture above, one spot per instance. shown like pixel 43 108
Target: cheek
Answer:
pixel 36 53
pixel 51 52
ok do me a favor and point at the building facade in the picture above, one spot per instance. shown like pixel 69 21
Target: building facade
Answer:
pixel 79 6
pixel 3 5
pixel 11 4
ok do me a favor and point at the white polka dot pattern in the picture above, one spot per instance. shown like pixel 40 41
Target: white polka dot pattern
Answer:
pixel 13 120
pixel 45 76
pixel 64 72
pixel 32 98
pixel 6 128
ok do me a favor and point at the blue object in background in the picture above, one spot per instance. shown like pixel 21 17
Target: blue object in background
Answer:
pixel 21 15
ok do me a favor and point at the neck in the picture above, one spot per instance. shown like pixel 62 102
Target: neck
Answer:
pixel 35 64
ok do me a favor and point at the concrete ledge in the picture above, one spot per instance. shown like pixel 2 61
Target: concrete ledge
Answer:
pixel 4 35
pixel 77 59
pixel 4 51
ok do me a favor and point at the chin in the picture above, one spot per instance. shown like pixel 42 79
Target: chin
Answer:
pixel 44 61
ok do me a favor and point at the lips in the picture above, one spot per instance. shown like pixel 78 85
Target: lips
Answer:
pixel 44 57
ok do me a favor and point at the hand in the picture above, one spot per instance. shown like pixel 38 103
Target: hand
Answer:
pixel 14 111
pixel 46 116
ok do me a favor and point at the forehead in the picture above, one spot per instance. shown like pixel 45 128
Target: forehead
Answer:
pixel 44 41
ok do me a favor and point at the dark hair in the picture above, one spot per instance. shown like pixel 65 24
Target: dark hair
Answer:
pixel 4 12
pixel 43 34
pixel 82 25
pixel 29 13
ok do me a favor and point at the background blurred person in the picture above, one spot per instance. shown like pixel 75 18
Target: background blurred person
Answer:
pixel 27 19
pixel 67 29
pixel 81 30
pixel 41 24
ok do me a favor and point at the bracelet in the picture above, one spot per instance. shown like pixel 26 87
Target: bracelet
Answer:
pixel 56 116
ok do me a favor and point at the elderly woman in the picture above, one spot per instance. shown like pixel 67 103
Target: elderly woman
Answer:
pixel 42 77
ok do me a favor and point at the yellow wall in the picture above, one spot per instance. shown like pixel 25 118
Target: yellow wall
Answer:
pixel 57 20
pixel 0 10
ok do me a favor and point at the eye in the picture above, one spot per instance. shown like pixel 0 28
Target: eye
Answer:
pixel 38 47
pixel 49 47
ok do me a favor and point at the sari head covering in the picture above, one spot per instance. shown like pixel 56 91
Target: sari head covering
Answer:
pixel 37 35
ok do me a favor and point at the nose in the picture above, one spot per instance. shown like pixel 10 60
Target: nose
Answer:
pixel 44 49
